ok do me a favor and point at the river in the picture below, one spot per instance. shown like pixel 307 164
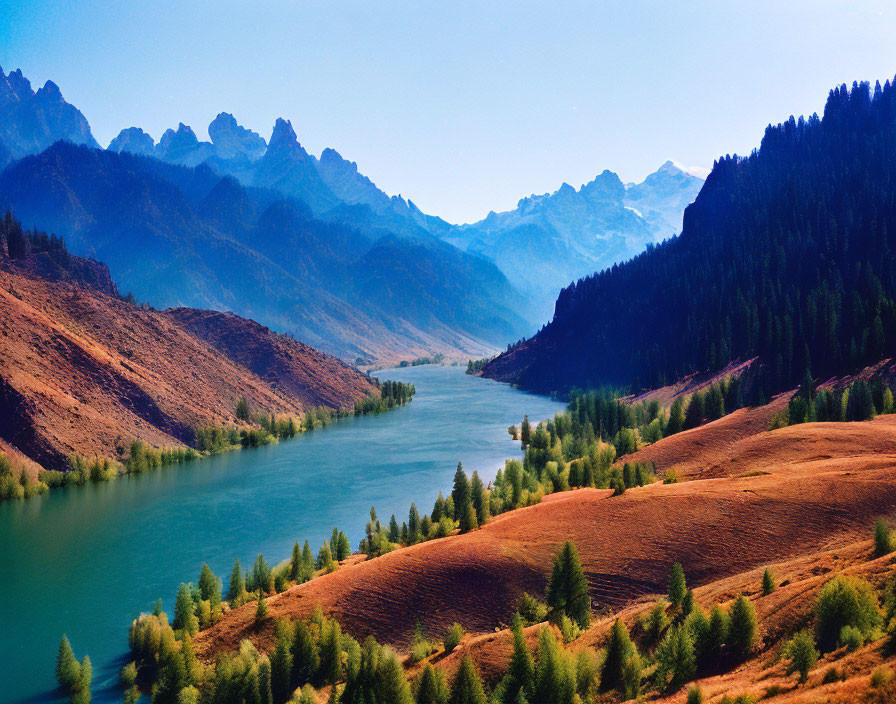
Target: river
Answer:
pixel 87 560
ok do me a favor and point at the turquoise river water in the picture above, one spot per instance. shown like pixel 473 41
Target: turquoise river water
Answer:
pixel 87 560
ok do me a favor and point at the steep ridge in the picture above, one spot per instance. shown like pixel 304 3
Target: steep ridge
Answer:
pixel 785 255
pixel 85 372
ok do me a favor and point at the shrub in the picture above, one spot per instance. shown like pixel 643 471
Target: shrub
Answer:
pixel 882 677
pixel 128 675
pixel 695 695
pixel 883 539
pixel 851 637
pixel 768 582
pixel 453 636
pixel 833 675
pixel 656 622
pixel 802 654
pixel 845 601
pixel 671 477
pixel 421 648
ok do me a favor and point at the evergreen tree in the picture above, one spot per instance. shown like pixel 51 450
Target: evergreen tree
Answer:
pixel 431 688
pixel 466 688
pixel 480 499
pixel 768 582
pixel 525 432
pixel 265 691
pixel 209 586
pixel 717 636
pixel 554 682
pixel 261 609
pixel 677 585
pixel 742 631
pixel 460 493
pixel 185 611
pixel 262 578
pixel 620 650
pixel 343 548
pixel 391 685
pixel 295 564
pixel 467 521
pixel 677 661
pixel 68 670
pixel 520 677
pixel 334 542
pixel 305 656
pixel 883 539
pixel 237 584
pixel 568 589
pixel 281 670
pixel 394 535
pixel 676 418
pixel 413 525
pixel 307 558
pixel 438 509
pixel 330 668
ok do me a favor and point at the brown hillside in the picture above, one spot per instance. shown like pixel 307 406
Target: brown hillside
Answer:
pixel 833 480
pixel 84 371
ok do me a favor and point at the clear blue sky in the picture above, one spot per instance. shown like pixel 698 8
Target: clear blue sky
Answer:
pixel 463 107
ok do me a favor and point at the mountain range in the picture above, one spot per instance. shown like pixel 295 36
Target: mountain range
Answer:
pixel 310 245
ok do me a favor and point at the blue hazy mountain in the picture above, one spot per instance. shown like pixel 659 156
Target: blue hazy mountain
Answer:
pixel 551 240
pixel 31 121
pixel 177 235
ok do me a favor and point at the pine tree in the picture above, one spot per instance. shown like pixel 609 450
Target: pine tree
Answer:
pixel 520 676
pixel 391 685
pixel 461 492
pixel 261 609
pixel 438 509
pixel 209 586
pixel 480 499
pixel 295 564
pixel 677 585
pixel 413 525
pixel 281 670
pixel 334 542
pixel 262 578
pixel 324 558
pixel 676 418
pixel 525 432
pixel 768 582
pixel 677 659
pixel 431 688
pixel 568 589
pixel 307 558
pixel 620 650
pixel 330 669
pixel 394 535
pixel 68 670
pixel 305 656
pixel 467 521
pixel 344 548
pixel 237 584
pixel 185 611
pixel 466 688
pixel 265 691
pixel 553 680
pixel 742 632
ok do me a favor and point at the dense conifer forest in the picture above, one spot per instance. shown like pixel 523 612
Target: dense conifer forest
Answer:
pixel 786 255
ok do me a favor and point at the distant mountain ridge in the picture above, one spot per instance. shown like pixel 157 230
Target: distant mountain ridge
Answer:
pixel 227 199
pixel 31 121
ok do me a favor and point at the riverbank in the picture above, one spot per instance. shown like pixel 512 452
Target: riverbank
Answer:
pixel 16 483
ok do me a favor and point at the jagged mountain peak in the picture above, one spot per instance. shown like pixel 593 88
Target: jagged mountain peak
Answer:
pixel 232 140
pixel 133 140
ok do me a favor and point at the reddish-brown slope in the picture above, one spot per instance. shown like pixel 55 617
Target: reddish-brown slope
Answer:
pixel 825 496
pixel 83 371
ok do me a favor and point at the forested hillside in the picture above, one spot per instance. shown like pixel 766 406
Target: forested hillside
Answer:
pixel 786 255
